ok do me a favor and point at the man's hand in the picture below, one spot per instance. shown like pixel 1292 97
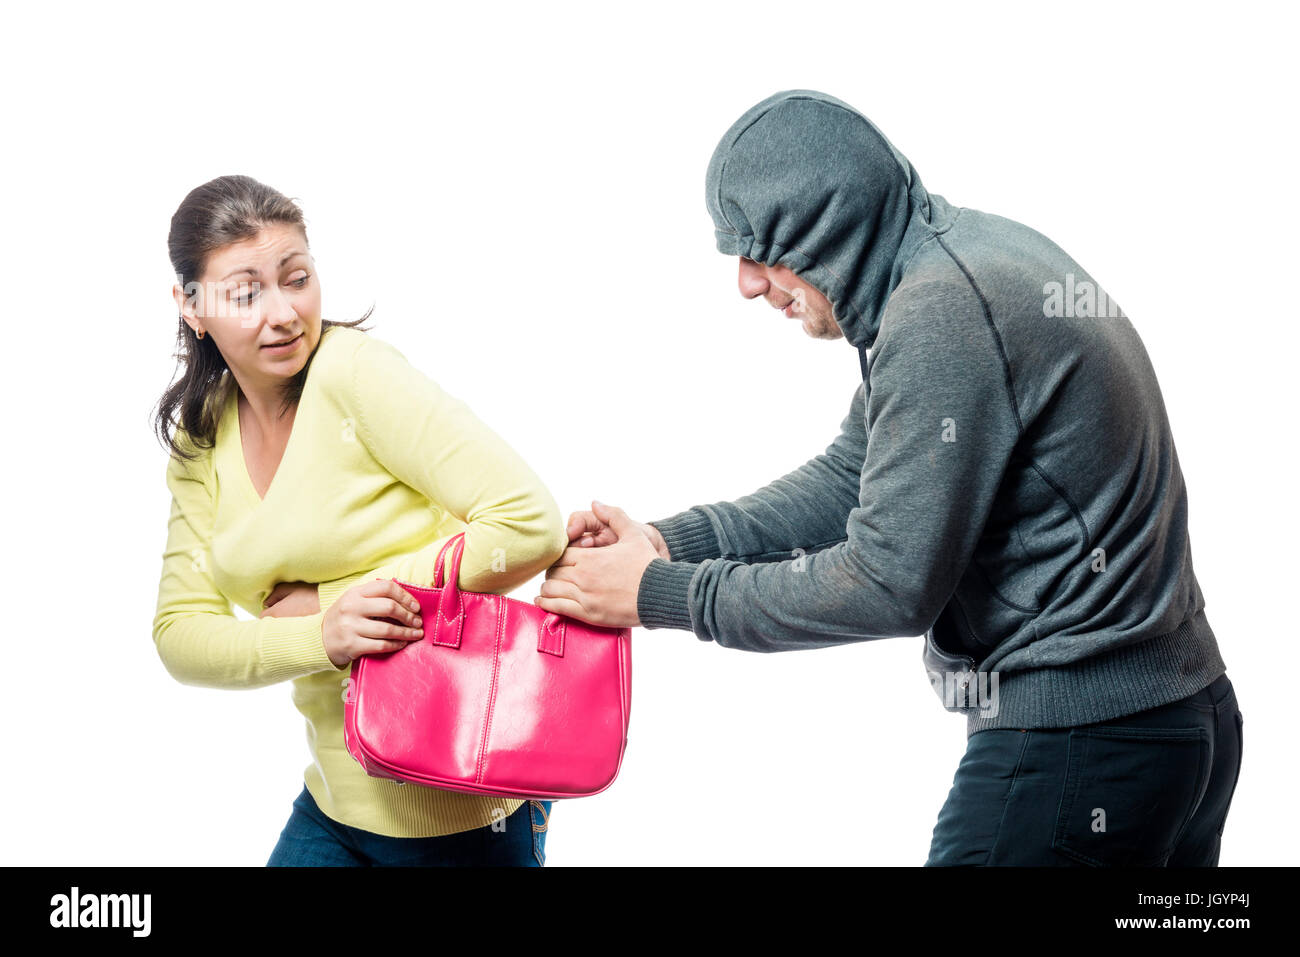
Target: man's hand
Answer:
pixel 291 600
pixel 587 530
pixel 599 585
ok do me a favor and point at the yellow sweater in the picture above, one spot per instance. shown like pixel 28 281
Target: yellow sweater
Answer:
pixel 381 469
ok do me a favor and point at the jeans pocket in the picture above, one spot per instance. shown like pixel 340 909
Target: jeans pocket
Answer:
pixel 539 817
pixel 1129 793
pixel 1236 776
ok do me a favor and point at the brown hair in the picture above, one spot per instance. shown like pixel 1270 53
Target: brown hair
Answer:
pixel 222 211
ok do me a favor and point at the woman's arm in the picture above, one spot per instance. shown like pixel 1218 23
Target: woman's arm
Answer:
pixel 435 444
pixel 197 636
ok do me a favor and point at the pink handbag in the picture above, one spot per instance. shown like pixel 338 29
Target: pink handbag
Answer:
pixel 499 697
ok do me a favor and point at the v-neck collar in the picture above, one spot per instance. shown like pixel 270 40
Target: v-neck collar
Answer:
pixel 235 435
pixel 237 444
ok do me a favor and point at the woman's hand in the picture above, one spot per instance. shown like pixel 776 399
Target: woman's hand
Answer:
pixel 291 600
pixel 354 625
pixel 586 530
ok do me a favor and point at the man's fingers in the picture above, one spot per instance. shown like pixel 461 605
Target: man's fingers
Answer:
pixel 562 606
pixel 567 559
pixel 617 520
pixel 561 588
pixel 586 530
pixel 583 523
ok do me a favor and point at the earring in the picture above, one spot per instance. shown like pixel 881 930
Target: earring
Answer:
pixel 199 334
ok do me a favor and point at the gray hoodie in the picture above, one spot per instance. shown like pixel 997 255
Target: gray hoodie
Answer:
pixel 1005 481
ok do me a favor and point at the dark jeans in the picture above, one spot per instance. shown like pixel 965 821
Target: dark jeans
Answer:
pixel 310 839
pixel 1148 790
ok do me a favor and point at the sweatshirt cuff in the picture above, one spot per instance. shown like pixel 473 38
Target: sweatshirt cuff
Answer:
pixel 689 536
pixel 663 598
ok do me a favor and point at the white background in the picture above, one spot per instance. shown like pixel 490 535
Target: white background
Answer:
pixel 521 193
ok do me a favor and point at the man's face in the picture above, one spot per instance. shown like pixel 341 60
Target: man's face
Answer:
pixel 786 291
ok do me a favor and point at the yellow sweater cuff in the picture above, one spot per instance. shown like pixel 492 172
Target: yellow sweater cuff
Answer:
pixel 297 652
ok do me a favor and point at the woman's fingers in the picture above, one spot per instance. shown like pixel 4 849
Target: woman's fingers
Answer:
pixel 389 618
pixel 399 611
pixel 278 592
pixel 378 647
pixel 371 618
pixel 374 637
pixel 387 588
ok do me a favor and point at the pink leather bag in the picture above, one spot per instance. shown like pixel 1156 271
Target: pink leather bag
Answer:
pixel 499 697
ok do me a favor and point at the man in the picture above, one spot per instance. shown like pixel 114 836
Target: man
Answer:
pixel 1005 483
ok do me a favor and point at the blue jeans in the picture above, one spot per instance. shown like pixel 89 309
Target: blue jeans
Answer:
pixel 310 839
pixel 1148 790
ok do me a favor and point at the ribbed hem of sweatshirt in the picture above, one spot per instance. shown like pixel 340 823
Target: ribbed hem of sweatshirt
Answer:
pixel 1134 678
pixel 662 599
pixel 689 536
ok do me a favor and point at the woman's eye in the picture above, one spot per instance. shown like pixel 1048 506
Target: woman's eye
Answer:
pixel 296 283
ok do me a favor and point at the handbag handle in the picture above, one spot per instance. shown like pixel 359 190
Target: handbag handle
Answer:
pixel 449 620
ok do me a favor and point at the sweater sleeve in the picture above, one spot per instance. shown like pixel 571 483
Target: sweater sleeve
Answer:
pixel 195 631
pixel 806 509
pixel 942 421
pixel 435 444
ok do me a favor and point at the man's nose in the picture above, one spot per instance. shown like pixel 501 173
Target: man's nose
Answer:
pixel 752 281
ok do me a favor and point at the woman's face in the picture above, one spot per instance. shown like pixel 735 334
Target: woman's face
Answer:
pixel 253 295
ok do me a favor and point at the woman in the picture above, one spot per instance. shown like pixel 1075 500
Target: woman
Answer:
pixel 310 464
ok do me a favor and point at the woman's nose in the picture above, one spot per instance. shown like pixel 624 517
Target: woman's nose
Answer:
pixel 277 309
pixel 752 281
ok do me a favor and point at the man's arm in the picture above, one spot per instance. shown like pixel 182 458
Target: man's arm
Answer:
pixel 806 509
pixel 943 423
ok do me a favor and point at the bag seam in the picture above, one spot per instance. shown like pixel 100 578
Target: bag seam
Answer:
pixel 492 694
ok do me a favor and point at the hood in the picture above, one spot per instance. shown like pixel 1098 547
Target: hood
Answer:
pixel 806 181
